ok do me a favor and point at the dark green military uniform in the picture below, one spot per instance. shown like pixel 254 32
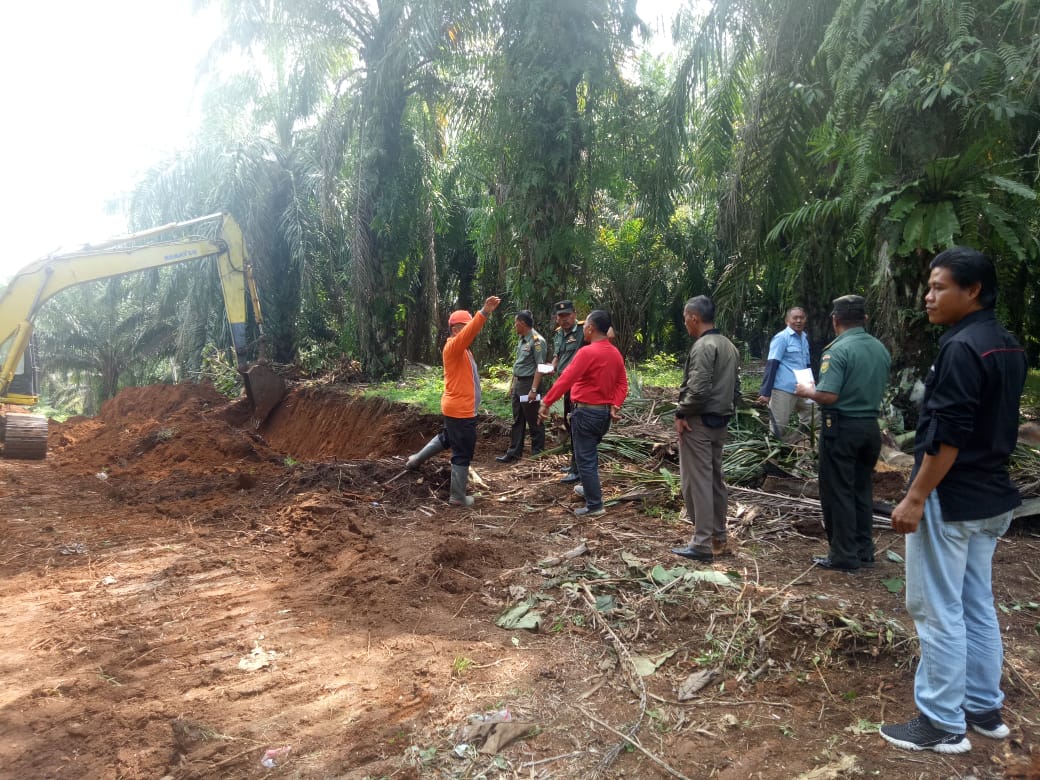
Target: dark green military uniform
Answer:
pixel 565 345
pixel 566 342
pixel 530 351
pixel 855 367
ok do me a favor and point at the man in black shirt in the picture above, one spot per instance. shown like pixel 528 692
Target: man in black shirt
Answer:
pixel 959 502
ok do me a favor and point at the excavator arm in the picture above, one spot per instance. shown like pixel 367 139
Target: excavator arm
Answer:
pixel 40 281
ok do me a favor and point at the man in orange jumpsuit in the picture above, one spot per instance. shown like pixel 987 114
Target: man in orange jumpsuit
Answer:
pixel 460 401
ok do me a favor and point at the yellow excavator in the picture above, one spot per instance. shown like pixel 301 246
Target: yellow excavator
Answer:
pixel 25 435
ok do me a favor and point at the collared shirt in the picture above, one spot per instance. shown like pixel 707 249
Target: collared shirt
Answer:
pixel 855 368
pixel 791 351
pixel 566 344
pixel 530 351
pixel 596 375
pixel 971 399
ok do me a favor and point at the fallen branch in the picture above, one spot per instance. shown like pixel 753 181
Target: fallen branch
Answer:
pixel 1025 682
pixel 634 743
pixel 529 764
pixel 785 503
pixel 233 758
pixel 398 475
pixel 629 665
pixel 581 549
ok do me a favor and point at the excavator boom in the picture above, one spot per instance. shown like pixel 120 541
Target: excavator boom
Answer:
pixel 40 281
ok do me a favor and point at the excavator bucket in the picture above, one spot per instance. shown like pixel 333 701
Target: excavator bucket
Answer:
pixel 264 389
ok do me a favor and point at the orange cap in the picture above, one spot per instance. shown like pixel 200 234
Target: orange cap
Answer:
pixel 460 317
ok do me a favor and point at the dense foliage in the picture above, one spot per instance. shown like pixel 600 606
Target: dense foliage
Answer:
pixel 393 161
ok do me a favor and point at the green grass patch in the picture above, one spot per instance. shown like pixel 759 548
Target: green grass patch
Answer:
pixel 1031 393
pixel 52 413
pixel 420 388
pixel 423 388
pixel 659 371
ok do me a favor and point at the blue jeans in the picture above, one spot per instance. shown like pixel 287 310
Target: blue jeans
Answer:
pixel 949 594
pixel 588 427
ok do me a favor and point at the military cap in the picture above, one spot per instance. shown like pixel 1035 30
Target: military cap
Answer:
pixel 563 307
pixel 850 307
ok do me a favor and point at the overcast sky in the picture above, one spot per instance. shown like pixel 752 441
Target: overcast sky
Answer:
pixel 96 91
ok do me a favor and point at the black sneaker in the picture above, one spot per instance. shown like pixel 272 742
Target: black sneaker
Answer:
pixel 824 562
pixel 988 724
pixel 920 734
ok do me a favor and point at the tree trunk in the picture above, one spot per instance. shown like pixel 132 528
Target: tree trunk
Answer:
pixel 423 319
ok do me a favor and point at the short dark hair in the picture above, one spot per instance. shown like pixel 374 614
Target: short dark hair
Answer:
pixel 969 267
pixel 599 319
pixel 525 317
pixel 703 307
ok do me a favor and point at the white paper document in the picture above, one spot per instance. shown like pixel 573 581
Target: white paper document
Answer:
pixel 803 376
pixel 545 368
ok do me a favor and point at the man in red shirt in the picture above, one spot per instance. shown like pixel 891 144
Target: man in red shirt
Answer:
pixel 598 385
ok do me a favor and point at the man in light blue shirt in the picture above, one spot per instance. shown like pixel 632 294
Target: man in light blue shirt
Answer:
pixel 788 350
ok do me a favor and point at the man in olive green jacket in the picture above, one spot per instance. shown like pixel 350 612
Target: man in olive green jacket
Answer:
pixel 707 400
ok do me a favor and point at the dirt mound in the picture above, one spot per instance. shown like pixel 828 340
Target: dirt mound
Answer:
pixel 158 402
pixel 152 431
pixel 186 450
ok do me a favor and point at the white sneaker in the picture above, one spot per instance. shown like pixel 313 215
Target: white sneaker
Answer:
pixel 584 511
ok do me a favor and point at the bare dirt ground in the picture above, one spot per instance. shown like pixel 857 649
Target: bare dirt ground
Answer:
pixel 180 594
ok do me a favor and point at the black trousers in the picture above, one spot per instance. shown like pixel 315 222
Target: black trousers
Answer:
pixel 460 434
pixel 849 448
pixel 568 407
pixel 525 415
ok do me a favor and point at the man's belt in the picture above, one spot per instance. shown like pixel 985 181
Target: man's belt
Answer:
pixel 583 405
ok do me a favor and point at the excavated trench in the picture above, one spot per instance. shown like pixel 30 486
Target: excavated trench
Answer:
pixel 167 443
pixel 162 425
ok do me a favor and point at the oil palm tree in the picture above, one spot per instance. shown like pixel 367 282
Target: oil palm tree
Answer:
pixel 257 157
pixel 849 140
pixel 106 335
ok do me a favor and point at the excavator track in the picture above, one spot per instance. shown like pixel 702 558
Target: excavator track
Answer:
pixel 24 436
